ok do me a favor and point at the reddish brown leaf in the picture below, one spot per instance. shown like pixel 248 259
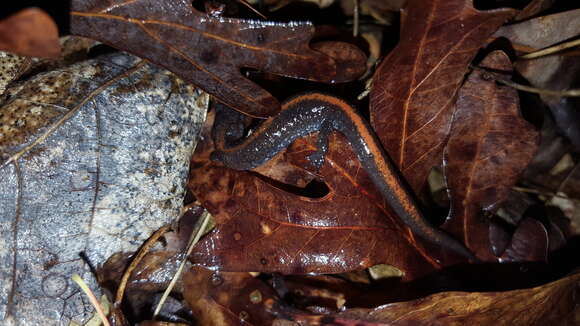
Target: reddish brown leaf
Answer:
pixel 210 51
pixel 152 274
pixel 490 145
pixel 223 299
pixel 414 88
pixel 321 293
pixel 30 32
pixel 263 228
pixel 551 304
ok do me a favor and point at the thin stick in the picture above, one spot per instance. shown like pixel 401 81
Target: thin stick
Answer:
pixel 543 193
pixel 356 18
pixel 551 50
pixel 194 238
pixel 541 91
pixel 567 178
pixel 249 6
pixel 529 89
pixel 81 283
pixel 136 260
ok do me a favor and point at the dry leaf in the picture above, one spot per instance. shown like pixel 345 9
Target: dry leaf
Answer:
pixel 413 94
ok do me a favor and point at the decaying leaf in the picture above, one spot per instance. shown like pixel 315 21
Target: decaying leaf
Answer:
pixel 557 72
pixel 30 32
pixel 11 67
pixel 489 146
pixel 414 88
pixel 209 51
pixel 94 157
pixel 554 303
pixel 152 274
pixel 260 227
pixel 543 31
pixel 224 299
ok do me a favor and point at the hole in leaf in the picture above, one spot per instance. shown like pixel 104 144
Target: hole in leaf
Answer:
pixel 314 189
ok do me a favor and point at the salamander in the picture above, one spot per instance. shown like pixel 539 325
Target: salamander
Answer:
pixel 317 112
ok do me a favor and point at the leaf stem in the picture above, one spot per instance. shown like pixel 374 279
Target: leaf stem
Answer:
pixel 81 283
pixel 136 260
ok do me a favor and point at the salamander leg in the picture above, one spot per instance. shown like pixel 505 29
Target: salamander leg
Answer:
pixel 317 158
pixel 228 127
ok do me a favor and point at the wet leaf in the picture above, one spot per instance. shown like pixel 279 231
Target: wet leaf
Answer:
pixel 413 94
pixel 210 51
pixel 152 274
pixel 553 303
pixel 94 157
pixel 30 32
pixel 223 299
pixel 261 227
pixel 489 146
pixel 146 284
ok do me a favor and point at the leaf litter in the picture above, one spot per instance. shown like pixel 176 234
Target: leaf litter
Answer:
pixel 281 223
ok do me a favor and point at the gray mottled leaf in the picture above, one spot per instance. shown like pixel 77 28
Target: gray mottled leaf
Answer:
pixel 93 158
pixel 11 66
pixel 543 31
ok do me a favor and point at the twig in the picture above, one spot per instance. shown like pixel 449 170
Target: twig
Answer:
pixel 567 178
pixel 79 281
pixel 249 6
pixel 551 50
pixel 136 260
pixel 541 91
pixel 543 193
pixel 529 89
pixel 356 18
pixel 194 238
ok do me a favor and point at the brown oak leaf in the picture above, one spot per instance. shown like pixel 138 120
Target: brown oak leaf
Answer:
pixel 553 303
pixel 489 146
pixel 210 51
pixel 414 88
pixel 262 226
pixel 222 298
